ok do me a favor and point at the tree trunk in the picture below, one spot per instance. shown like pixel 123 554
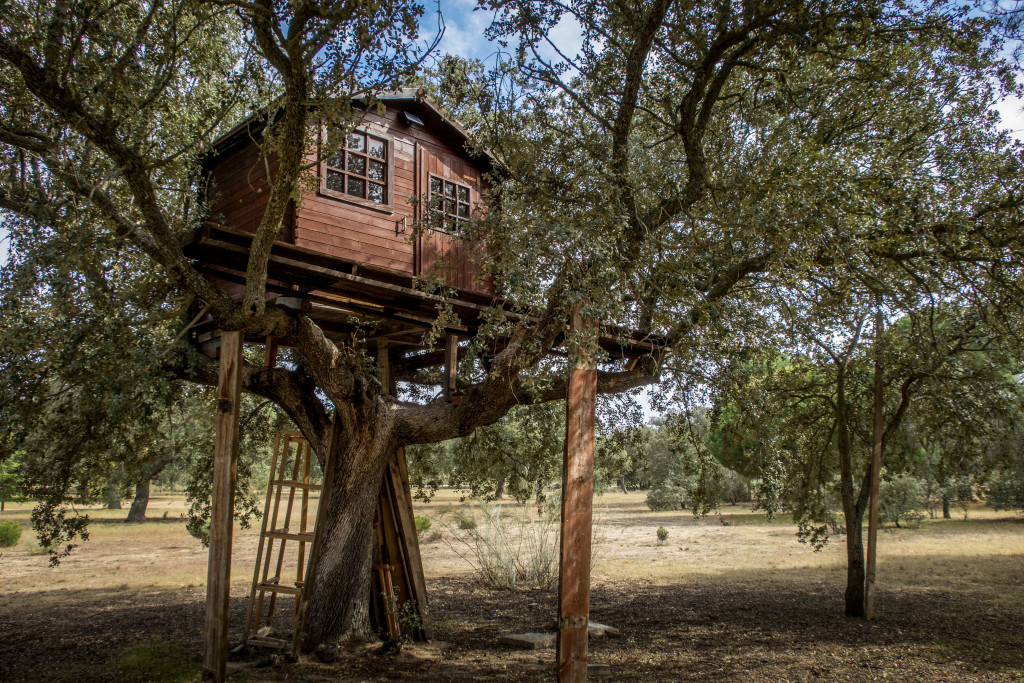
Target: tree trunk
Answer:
pixel 855 566
pixel 499 489
pixel 340 596
pixel 945 508
pixel 540 490
pixel 137 512
pixel 622 485
pixel 112 497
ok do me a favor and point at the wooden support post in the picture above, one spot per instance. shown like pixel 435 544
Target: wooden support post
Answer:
pixel 396 499
pixel 218 578
pixel 270 353
pixel 577 513
pixel 876 471
pixel 384 366
pixel 451 365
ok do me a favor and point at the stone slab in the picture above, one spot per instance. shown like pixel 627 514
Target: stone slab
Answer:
pixel 599 670
pixel 595 629
pixel 528 641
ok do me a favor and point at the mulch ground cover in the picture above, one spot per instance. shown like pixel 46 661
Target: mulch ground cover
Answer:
pixel 703 630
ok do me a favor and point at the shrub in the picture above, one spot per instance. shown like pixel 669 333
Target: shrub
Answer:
pixel 901 499
pixel 422 524
pixel 466 522
pixel 509 550
pixel 10 534
pixel 666 498
pixel 662 535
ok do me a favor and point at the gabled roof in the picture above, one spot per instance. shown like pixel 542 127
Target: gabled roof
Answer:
pixel 433 115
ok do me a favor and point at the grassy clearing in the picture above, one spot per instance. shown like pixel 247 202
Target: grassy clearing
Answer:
pixel 728 597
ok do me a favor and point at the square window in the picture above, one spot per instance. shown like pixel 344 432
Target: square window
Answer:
pixel 449 202
pixel 356 164
pixel 360 170
pixel 378 148
pixel 356 187
pixel 335 181
pixel 376 193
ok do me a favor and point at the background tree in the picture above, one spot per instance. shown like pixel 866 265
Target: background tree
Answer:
pixel 683 158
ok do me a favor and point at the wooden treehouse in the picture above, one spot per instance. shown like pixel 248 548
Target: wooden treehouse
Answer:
pixel 348 257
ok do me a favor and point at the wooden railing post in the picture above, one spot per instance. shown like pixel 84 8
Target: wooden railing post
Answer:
pixel 577 513
pixel 218 578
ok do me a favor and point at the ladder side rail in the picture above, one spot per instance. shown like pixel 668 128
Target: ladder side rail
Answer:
pixel 250 628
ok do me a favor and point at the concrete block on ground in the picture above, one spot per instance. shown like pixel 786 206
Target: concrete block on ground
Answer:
pixel 528 641
pixel 598 670
pixel 595 629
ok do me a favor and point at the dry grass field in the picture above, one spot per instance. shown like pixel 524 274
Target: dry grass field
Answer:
pixel 726 598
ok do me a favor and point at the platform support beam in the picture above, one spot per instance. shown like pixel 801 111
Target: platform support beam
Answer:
pixel 218 579
pixel 577 517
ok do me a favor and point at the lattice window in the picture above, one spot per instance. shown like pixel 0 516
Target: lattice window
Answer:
pixel 360 171
pixel 449 204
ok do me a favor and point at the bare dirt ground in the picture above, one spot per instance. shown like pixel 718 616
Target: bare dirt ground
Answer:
pixel 729 598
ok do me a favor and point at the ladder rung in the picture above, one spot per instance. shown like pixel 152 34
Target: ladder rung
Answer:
pixel 278 588
pixel 296 484
pixel 308 538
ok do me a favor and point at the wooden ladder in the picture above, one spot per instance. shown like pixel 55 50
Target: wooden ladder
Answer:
pixel 289 470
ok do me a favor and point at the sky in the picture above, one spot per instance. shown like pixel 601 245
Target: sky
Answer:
pixel 464 24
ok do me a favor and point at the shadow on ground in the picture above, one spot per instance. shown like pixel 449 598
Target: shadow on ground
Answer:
pixel 739 627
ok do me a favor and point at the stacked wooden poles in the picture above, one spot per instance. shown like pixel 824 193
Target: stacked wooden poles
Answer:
pixel 577 515
pixel 218 580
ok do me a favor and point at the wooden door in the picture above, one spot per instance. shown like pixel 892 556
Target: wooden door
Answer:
pixel 449 191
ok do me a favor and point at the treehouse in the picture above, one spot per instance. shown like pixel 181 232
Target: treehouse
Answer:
pixel 350 257
pixel 348 248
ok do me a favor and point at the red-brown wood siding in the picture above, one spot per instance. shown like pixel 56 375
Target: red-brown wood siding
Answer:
pixel 376 236
pixel 238 191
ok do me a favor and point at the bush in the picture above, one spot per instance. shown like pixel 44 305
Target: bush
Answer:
pixel 901 498
pixel 466 522
pixel 10 534
pixel 666 498
pixel 509 550
pixel 662 535
pixel 422 524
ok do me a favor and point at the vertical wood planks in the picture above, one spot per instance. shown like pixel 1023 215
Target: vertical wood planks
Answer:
pixel 218 581
pixel 577 514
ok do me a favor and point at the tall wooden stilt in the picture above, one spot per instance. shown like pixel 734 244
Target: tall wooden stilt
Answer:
pixel 218 580
pixel 451 365
pixel 577 512
pixel 876 471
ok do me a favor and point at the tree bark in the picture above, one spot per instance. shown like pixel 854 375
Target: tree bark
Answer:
pixel 622 485
pixel 137 512
pixel 499 489
pixel 945 508
pixel 855 575
pixel 339 600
